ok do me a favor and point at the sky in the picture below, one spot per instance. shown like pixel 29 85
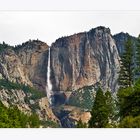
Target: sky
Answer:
pixel 20 26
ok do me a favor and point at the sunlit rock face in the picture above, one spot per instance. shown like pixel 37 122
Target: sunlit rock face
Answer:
pixel 34 58
pixel 85 59
pixel 11 67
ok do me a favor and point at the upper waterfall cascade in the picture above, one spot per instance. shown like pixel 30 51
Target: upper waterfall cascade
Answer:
pixel 49 84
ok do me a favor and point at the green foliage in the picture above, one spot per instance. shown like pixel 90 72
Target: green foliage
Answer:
pixel 35 94
pixel 101 110
pixel 12 117
pixel 5 84
pixel 137 60
pixel 111 105
pixel 129 106
pixel 129 101
pixel 130 122
pixel 4 46
pixel 34 121
pixel 83 98
pixel 80 124
pixel 126 74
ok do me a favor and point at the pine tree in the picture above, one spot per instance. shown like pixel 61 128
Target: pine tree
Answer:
pixel 99 113
pixel 12 117
pixel 34 121
pixel 127 68
pixel 129 106
pixel 111 106
pixel 137 61
pixel 130 122
pixel 129 101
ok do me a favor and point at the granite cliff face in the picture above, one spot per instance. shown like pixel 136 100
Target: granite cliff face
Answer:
pixel 11 67
pixel 34 57
pixel 85 59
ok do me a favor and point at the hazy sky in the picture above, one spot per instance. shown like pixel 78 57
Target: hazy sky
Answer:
pixel 19 26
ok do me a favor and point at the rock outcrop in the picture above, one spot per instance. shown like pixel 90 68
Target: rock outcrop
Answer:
pixel 121 39
pixel 70 115
pixel 85 59
pixel 21 74
pixel 11 67
pixel 34 58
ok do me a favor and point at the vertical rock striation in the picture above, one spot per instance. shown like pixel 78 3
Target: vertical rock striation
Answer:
pixel 85 59
pixel 34 58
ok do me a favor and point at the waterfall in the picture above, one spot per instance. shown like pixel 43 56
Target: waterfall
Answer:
pixel 49 84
